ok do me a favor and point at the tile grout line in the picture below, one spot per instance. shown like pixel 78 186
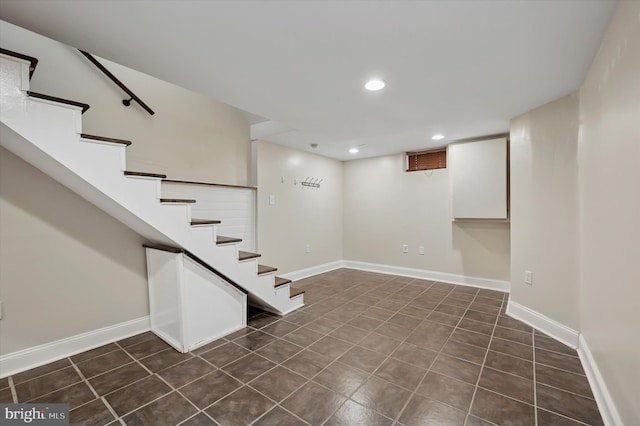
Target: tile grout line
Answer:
pixel 372 373
pixel 563 354
pixel 486 354
pixel 12 387
pixel 457 327
pixel 413 393
pixel 564 416
pixel 110 408
pixel 177 390
pixel 566 391
pixel 84 379
pixel 41 375
pixel 143 405
pixel 278 404
pixel 151 374
pixel 506 353
pixel 535 381
pixel 368 332
pixel 234 378
pixel 163 380
pixel 54 391
pixel 136 360
pixel 448 294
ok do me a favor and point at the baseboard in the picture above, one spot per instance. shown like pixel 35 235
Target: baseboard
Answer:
pixel 430 275
pixel 314 270
pixel 553 328
pixel 43 354
pixel 570 337
pixel 608 411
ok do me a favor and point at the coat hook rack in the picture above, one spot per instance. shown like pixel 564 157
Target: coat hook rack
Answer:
pixel 312 182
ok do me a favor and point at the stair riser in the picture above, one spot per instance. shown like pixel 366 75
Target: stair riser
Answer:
pixel 17 74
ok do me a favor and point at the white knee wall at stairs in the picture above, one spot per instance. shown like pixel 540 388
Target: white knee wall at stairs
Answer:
pixel 189 305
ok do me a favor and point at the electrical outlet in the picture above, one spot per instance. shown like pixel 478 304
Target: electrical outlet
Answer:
pixel 528 277
pixel 405 248
pixel 307 248
pixel 272 200
pixel 421 250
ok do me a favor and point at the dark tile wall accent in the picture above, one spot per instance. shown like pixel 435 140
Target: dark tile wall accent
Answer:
pixel 368 349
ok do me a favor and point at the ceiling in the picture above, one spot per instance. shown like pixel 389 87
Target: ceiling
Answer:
pixel 461 68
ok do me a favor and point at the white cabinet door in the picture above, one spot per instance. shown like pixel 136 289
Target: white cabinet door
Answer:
pixel 479 179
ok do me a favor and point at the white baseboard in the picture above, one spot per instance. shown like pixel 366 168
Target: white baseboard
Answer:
pixel 430 275
pixel 608 411
pixel 553 328
pixel 314 270
pixel 43 354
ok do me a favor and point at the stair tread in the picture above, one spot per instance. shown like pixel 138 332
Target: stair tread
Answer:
pixel 227 240
pixel 163 247
pixel 144 174
pixel 264 269
pixel 197 222
pixel 294 291
pixel 84 106
pixel 246 255
pixel 105 139
pixel 33 62
pixel 194 182
pixel 279 281
pixel 176 200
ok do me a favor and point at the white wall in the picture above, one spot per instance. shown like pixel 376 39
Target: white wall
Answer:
pixel 190 137
pixel 66 267
pixel 609 177
pixel 575 180
pixel 544 208
pixel 386 207
pixel 300 215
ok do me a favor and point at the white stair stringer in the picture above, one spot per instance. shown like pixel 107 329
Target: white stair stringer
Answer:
pixel 47 135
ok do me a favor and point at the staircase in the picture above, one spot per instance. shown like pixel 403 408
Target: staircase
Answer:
pixel 46 131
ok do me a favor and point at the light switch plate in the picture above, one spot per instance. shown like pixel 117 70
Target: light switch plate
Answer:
pixel 528 277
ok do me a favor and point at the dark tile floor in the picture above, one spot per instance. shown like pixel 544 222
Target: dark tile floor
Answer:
pixel 367 349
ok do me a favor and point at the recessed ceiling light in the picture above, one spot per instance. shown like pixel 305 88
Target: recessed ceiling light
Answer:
pixel 375 84
pixel 437 137
pixel 354 151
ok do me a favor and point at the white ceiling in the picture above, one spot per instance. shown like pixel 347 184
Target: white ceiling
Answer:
pixel 462 68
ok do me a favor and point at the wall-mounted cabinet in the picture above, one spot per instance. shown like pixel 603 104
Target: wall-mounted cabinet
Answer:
pixel 479 179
